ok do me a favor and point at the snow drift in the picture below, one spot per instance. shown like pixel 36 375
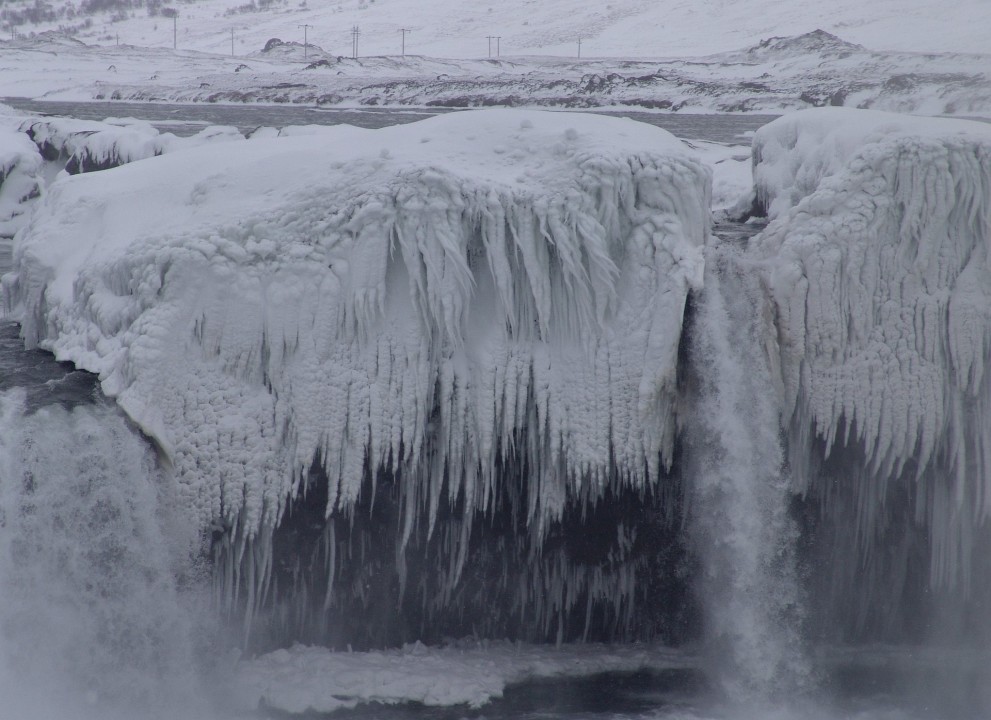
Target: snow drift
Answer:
pixel 440 301
pixel 879 283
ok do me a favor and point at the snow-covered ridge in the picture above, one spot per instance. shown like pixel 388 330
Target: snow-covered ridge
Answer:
pixel 880 282
pixel 413 298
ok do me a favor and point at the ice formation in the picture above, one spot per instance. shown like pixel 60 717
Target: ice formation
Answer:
pixel 20 183
pixel 443 302
pixel 314 679
pixel 81 146
pixel 880 320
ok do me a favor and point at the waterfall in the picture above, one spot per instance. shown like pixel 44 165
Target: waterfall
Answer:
pixel 739 520
pixel 96 592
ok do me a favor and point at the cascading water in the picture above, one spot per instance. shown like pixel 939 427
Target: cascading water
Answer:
pixel 739 520
pixel 96 594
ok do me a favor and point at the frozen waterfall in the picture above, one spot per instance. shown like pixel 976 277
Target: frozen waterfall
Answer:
pixel 878 274
pixel 471 316
pixel 491 375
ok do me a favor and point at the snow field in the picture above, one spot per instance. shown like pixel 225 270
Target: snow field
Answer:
pixel 415 296
pixel 879 278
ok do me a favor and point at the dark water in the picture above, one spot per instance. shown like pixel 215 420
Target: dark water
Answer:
pixel 188 119
pixel 607 695
pixel 44 380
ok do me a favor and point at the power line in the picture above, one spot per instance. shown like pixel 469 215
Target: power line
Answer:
pixel 355 32
pixel 305 43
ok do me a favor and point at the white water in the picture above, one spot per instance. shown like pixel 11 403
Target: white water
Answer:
pixel 740 522
pixel 97 609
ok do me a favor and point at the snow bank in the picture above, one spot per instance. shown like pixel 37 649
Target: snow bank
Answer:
pixel 313 679
pixel 432 300
pixel 86 146
pixel 880 282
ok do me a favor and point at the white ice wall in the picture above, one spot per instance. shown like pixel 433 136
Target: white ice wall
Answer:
pixel 880 285
pixel 415 296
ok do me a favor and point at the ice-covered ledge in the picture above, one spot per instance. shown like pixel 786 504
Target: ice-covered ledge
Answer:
pixel 413 297
pixel 310 679
pixel 879 282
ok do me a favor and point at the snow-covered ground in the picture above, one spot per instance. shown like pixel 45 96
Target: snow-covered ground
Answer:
pixel 616 28
pixel 780 74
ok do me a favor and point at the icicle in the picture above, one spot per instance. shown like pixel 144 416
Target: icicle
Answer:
pixel 878 266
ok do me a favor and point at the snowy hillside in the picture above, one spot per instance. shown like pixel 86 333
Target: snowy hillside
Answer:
pixel 774 75
pixel 452 28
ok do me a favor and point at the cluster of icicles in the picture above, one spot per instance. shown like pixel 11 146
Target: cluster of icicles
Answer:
pixel 542 338
pixel 880 281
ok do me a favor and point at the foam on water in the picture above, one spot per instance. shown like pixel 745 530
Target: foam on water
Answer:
pixel 97 600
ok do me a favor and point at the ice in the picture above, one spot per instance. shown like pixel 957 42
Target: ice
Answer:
pixel 303 678
pixel 880 317
pixel 428 300
pixel 795 153
pixel 81 146
pixel 20 181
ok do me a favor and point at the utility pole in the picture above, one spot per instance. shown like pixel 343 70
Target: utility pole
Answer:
pixel 232 42
pixel 404 31
pixel 305 28
pixel 498 38
pixel 355 32
pixel 579 48
pixel 175 30
pixel 490 38
pixel 118 39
